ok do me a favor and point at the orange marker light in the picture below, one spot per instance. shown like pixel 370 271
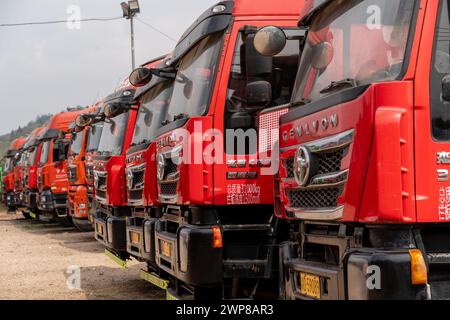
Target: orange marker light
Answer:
pixel 419 274
pixel 217 237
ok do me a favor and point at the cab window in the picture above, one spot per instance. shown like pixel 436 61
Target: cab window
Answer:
pixel 440 67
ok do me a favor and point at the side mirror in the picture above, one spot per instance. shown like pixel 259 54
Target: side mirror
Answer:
pixel 114 109
pixel 322 55
pixel 83 120
pixel 446 88
pixel 140 77
pixel 259 94
pixel 257 65
pixel 269 41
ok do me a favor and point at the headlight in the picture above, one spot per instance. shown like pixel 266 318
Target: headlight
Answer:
pixel 160 167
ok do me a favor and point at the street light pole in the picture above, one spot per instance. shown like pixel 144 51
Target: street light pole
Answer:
pixel 132 43
pixel 130 9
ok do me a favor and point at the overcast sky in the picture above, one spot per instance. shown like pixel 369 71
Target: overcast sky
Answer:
pixel 46 68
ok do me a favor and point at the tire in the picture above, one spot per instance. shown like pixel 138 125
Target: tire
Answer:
pixel 26 215
pixel 83 227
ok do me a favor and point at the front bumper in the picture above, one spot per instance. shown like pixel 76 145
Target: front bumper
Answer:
pixel 53 202
pixel 141 238
pixel 366 274
pixel 79 202
pixel 10 200
pixel 110 231
pixel 188 255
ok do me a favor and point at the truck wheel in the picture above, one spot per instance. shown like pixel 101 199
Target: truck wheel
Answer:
pixel 66 221
pixel 83 227
pixel 26 215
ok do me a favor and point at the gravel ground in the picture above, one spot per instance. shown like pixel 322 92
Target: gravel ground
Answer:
pixel 35 257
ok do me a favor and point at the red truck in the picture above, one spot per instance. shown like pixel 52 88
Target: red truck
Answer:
pixel 85 140
pixel 216 236
pixel 11 160
pixel 363 181
pixel 142 199
pixel 52 179
pixel 109 172
pixel 26 198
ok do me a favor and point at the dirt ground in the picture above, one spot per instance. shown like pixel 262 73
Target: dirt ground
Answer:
pixel 35 257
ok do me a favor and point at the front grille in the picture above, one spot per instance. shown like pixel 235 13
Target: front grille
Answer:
pixel 314 198
pixel 90 173
pixel 100 194
pixel 329 162
pixel 289 165
pixel 171 167
pixel 100 185
pixel 135 195
pixel 72 174
pixel 323 188
pixel 25 181
pixel 169 188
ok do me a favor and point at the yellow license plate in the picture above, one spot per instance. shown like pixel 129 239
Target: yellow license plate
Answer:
pixel 135 237
pixel 100 228
pixel 310 285
pixel 165 248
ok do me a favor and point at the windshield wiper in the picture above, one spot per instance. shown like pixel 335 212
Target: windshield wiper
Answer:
pixel 175 118
pixel 299 103
pixel 341 84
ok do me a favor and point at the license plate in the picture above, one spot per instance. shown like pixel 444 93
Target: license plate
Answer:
pixel 166 248
pixel 310 285
pixel 135 237
pixel 100 228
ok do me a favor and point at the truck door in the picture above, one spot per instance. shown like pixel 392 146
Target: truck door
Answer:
pixel 432 116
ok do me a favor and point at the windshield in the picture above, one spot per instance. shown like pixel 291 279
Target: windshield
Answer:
pixel 77 143
pixel 44 152
pixel 193 83
pixel 95 134
pixel 152 112
pixel 8 164
pixel 113 135
pixel 32 153
pixel 353 42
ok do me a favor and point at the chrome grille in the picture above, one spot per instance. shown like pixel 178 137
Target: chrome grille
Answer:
pixel 329 162
pixel 72 173
pixel 169 188
pixel 169 184
pixel 100 180
pixel 314 198
pixel 319 197
pixel 89 172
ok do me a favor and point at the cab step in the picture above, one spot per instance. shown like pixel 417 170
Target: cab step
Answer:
pixel 172 295
pixel 122 263
pixel 154 279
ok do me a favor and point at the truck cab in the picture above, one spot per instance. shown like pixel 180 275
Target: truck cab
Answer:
pixel 11 160
pixel 364 154
pixel 76 173
pixel 27 196
pixel 109 172
pixel 216 205
pixel 52 168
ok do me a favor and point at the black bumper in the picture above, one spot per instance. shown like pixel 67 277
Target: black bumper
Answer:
pixel 10 200
pixel 111 231
pixel 192 258
pixel 141 238
pixel 53 202
pixel 367 274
